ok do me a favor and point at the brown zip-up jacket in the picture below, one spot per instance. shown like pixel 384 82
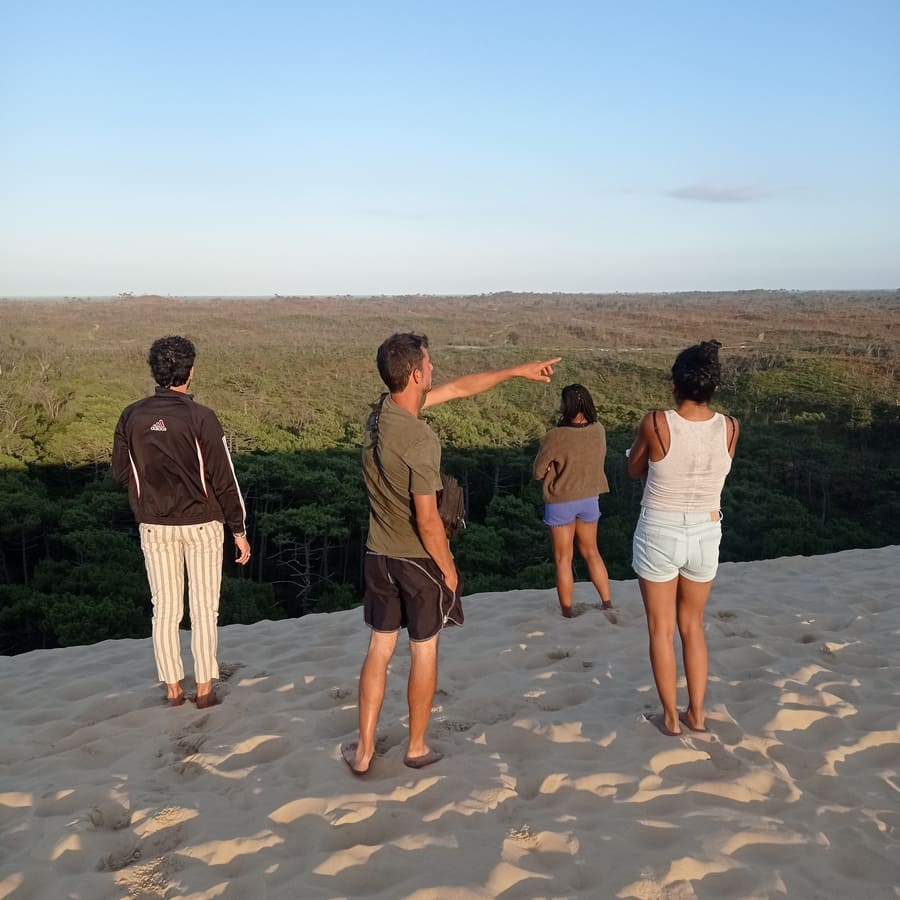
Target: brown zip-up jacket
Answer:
pixel 171 454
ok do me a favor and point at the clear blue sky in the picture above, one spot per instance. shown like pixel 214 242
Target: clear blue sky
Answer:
pixel 383 147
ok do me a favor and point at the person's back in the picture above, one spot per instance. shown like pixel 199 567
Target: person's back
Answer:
pixel 411 581
pixel 690 477
pixel 170 453
pixel 685 455
pixel 165 435
pixel 570 463
pixel 576 454
pixel 401 457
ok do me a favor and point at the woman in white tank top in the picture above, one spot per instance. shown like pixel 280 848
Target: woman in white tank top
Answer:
pixel 685 454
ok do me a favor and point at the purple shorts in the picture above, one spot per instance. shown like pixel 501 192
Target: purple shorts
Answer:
pixel 587 510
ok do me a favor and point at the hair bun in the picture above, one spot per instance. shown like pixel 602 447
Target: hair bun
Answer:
pixel 697 372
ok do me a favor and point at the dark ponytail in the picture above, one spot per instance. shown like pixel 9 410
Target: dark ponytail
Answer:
pixel 576 399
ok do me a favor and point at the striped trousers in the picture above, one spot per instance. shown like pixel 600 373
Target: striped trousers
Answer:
pixel 168 549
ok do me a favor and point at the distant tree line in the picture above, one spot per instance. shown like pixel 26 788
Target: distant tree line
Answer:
pixel 71 570
pixel 813 377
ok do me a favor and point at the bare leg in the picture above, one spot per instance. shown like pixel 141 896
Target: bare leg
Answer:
pixel 692 597
pixel 586 537
pixel 561 539
pixel 659 602
pixel 420 692
pixel 372 681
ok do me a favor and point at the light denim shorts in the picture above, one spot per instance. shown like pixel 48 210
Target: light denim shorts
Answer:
pixel 667 544
pixel 587 510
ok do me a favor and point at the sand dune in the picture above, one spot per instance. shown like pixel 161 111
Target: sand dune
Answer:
pixel 554 785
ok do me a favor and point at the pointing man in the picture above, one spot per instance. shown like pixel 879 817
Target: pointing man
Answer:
pixel 410 577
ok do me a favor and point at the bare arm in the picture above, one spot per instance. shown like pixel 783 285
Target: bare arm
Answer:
pixel 543 462
pixel 431 531
pixel 639 454
pixel 469 385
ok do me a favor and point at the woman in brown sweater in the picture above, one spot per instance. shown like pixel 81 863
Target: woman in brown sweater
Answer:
pixel 570 463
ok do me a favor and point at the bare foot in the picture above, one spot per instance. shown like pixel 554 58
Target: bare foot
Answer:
pixel 668 729
pixel 688 719
pixel 566 612
pixel 359 765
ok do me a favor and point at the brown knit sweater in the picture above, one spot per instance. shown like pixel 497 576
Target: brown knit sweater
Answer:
pixel 570 462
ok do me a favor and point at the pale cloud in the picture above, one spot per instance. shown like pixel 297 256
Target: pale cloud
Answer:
pixel 720 193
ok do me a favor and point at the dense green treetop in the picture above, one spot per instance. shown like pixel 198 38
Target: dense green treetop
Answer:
pixel 812 376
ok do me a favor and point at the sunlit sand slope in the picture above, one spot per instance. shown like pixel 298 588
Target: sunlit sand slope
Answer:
pixel 554 784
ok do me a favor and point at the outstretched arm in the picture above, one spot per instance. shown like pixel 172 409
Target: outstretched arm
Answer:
pixel 469 385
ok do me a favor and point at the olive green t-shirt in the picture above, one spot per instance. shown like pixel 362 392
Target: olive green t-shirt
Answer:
pixel 410 463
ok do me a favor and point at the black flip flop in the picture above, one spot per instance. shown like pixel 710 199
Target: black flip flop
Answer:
pixel 419 762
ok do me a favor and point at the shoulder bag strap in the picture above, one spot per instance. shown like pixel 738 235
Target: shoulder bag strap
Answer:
pixel 733 432
pixel 662 446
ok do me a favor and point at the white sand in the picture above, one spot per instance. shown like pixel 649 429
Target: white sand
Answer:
pixel 553 784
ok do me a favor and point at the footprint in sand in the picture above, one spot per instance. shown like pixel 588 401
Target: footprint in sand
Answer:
pixel 564 697
pixel 728 632
pixel 385 742
pixel 109 816
pixel 657 834
pixel 226 670
pixel 189 744
pixel 67 802
pixel 451 725
pixel 255 751
pixel 127 853
pixel 186 747
pixel 329 699
pixel 486 711
pixel 720 757
pixel 338 722
pixel 189 769
pixel 159 836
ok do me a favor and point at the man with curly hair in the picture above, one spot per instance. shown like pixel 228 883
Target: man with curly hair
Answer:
pixel 172 456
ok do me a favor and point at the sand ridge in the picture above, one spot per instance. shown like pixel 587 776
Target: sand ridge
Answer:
pixel 554 784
